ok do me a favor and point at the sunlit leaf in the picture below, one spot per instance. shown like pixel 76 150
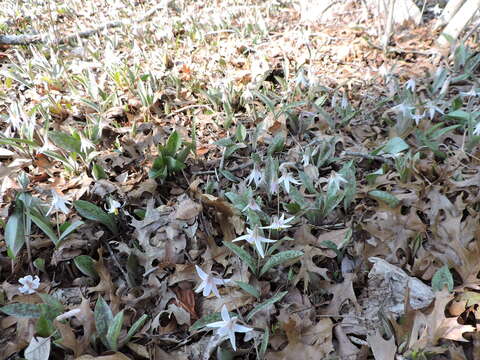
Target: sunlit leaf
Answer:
pixel 38 349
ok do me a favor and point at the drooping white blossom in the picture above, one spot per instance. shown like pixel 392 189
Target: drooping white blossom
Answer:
pixel 256 176
pixel 410 85
pixel 287 179
pixel 336 180
pixel 58 203
pixel 279 223
pixel 253 237
pixel 228 327
pixel 252 205
pixel 209 283
pixel 476 131
pixel 418 117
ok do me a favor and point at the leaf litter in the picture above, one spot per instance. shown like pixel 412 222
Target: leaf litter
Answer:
pixel 178 134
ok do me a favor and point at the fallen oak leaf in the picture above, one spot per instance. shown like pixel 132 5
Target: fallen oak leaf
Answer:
pixel 68 338
pixel 38 349
pixel 106 284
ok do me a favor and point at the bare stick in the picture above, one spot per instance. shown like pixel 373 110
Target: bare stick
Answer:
pixel 369 157
pixel 44 38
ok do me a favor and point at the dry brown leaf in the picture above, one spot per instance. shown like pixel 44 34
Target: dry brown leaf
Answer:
pixel 436 326
pixel 309 266
pixel 186 299
pixel 139 350
pixel 68 337
pixel 315 342
pixel 342 294
pixel 187 209
pixel 105 285
pixel 381 348
pixel 116 356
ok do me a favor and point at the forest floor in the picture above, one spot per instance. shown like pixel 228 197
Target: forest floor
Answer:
pixel 228 155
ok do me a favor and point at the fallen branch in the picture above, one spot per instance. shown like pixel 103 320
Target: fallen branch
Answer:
pixel 45 38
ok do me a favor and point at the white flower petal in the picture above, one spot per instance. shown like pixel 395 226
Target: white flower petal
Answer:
pixel 207 289
pixel 215 291
pixel 225 314
pixel 259 247
pixel 241 328
pixel 231 335
pixel 202 274
pixel 216 324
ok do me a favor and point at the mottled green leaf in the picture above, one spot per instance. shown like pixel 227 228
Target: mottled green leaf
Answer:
pixel 86 265
pixel 442 277
pixel 22 310
pixel 103 317
pixel 93 212
pixel 248 288
pixel 15 232
pixel 65 141
pixel 114 331
pixel 385 197
pixel 265 304
pixel 280 258
pixel 242 254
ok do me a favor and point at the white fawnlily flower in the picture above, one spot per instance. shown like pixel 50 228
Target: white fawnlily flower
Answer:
pixel 344 102
pixel 410 85
pixel 471 93
pixel 253 237
pixel 58 203
pixel 30 284
pixel 288 179
pixel 112 206
pixel 437 10
pixel 476 131
pixel 432 108
pixel 252 205
pixel 247 95
pixel 305 159
pixel 256 176
pixel 228 327
pixel 68 314
pixel 336 180
pixel 273 187
pixel 209 283
pixel 279 223
pixel 418 117
pixel 85 143
pixel 405 109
